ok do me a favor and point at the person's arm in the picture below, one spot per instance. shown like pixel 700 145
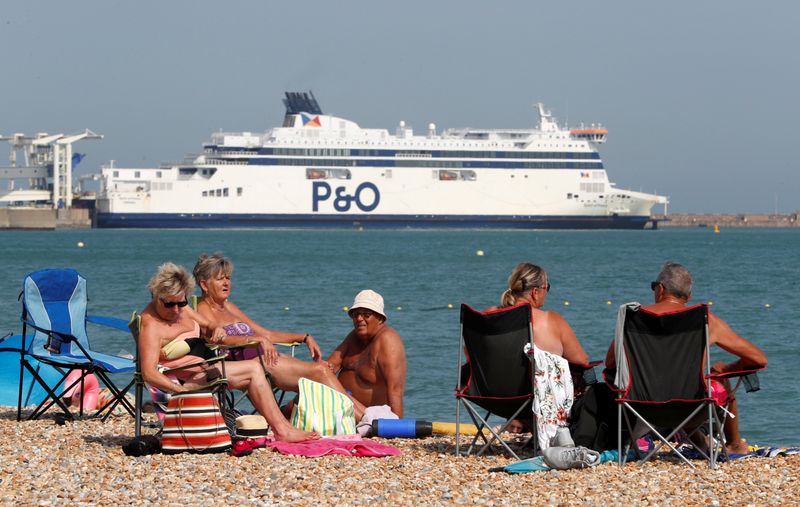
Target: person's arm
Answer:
pixel 335 359
pixel 573 351
pixel 209 330
pixel 392 363
pixel 149 352
pixel 277 336
pixel 750 356
pixel 611 359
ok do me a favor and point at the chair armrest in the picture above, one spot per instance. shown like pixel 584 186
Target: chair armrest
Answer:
pixel 289 344
pixel 209 385
pixel 207 362
pixel 583 376
pixel 112 322
pixel 733 374
pixel 747 377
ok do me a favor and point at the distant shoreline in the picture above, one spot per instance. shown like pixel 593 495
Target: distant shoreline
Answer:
pixel 722 220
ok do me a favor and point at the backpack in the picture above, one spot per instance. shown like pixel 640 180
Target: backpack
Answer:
pixel 593 419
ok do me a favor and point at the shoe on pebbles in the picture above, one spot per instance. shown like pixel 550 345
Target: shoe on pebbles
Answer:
pixel 562 458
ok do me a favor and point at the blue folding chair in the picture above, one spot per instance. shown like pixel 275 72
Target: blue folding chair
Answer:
pixel 54 334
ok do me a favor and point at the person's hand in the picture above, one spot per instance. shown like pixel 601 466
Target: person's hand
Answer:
pixel 269 352
pixel 719 367
pixel 218 335
pixel 313 348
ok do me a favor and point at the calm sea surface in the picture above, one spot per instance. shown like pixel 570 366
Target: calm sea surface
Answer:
pixel 300 280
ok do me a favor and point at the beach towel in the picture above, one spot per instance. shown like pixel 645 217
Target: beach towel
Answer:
pixel 323 409
pixel 327 446
pixel 553 394
pixel 755 451
pixel 537 464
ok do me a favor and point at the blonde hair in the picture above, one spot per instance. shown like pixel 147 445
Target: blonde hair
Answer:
pixel 171 280
pixel 523 278
pixel 209 266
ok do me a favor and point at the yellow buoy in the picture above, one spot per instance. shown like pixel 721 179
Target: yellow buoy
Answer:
pixel 716 229
pixel 399 308
pixel 450 306
pixel 766 305
pixel 345 309
pixel 80 244
pixel 608 302
pixel 710 303
pixel 479 253
pixel 566 303
pixel 285 308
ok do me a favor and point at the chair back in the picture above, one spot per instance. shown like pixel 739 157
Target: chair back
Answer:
pixel 55 300
pixel 665 354
pixel 497 367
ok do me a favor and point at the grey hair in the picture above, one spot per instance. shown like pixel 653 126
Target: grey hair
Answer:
pixel 171 280
pixel 209 266
pixel 523 278
pixel 676 280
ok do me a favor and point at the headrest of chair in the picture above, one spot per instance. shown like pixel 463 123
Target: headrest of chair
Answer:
pixel 251 426
pixel 54 284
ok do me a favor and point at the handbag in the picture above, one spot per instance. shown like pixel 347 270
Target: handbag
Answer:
pixel 194 423
pixel 323 409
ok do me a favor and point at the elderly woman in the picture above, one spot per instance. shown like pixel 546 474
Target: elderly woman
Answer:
pixel 555 345
pixel 213 275
pixel 169 326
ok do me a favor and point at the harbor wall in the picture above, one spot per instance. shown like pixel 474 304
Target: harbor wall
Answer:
pixel 728 220
pixel 27 218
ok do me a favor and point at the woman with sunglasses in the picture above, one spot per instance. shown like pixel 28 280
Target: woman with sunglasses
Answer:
pixel 555 346
pixel 213 275
pixel 171 334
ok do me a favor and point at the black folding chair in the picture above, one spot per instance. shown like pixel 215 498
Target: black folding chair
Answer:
pixel 497 376
pixel 663 379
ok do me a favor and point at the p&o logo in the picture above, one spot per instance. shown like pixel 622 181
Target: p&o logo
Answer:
pixel 366 196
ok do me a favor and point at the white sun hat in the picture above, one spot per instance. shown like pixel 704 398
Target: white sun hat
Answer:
pixel 370 300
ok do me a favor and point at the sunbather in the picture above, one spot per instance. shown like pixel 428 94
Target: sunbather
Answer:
pixel 555 345
pixel 213 275
pixel 372 359
pixel 671 291
pixel 167 321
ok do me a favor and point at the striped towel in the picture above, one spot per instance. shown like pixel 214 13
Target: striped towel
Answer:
pixel 322 409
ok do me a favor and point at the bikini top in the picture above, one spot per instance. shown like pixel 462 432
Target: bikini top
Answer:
pixel 238 329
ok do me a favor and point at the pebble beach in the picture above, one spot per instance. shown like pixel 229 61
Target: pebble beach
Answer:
pixel 82 463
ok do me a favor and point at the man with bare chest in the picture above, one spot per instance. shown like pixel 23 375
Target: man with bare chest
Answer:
pixel 371 359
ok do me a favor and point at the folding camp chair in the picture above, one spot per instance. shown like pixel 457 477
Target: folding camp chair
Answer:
pixel 498 374
pixel 218 385
pixel 54 334
pixel 663 379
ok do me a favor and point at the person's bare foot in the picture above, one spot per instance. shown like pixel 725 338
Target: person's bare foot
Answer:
pixel 292 434
pixel 739 447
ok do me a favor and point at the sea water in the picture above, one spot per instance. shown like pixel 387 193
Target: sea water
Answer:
pixel 299 281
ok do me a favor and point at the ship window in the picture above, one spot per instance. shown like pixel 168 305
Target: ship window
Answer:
pixel 569 195
pixel 137 174
pixel 225 192
pixel 388 174
pixel 239 191
pixel 219 192
pixel 205 193
pixel 158 174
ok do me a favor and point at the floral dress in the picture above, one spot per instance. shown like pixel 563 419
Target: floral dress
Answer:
pixel 553 394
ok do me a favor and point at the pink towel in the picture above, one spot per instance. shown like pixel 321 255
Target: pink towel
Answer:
pixel 326 446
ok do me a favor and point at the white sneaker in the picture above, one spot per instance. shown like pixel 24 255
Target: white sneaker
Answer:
pixel 562 438
pixel 562 458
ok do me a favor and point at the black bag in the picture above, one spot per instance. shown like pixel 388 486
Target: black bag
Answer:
pixel 593 419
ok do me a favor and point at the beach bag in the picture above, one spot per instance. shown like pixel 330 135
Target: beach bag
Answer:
pixel 593 419
pixel 323 409
pixel 194 423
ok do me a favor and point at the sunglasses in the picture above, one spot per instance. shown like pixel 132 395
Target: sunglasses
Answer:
pixel 365 314
pixel 546 287
pixel 653 285
pixel 173 304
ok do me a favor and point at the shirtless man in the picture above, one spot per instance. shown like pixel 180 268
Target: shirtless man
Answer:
pixel 371 359
pixel 672 290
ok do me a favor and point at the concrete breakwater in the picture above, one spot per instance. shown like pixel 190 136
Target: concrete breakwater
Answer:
pixel 727 220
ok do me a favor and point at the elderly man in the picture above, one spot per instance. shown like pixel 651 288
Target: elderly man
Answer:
pixel 672 290
pixel 371 359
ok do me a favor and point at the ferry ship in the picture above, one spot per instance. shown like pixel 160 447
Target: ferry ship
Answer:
pixel 319 170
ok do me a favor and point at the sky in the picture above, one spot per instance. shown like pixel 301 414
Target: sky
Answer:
pixel 700 98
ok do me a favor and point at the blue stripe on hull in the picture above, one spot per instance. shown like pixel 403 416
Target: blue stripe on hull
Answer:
pixel 211 221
